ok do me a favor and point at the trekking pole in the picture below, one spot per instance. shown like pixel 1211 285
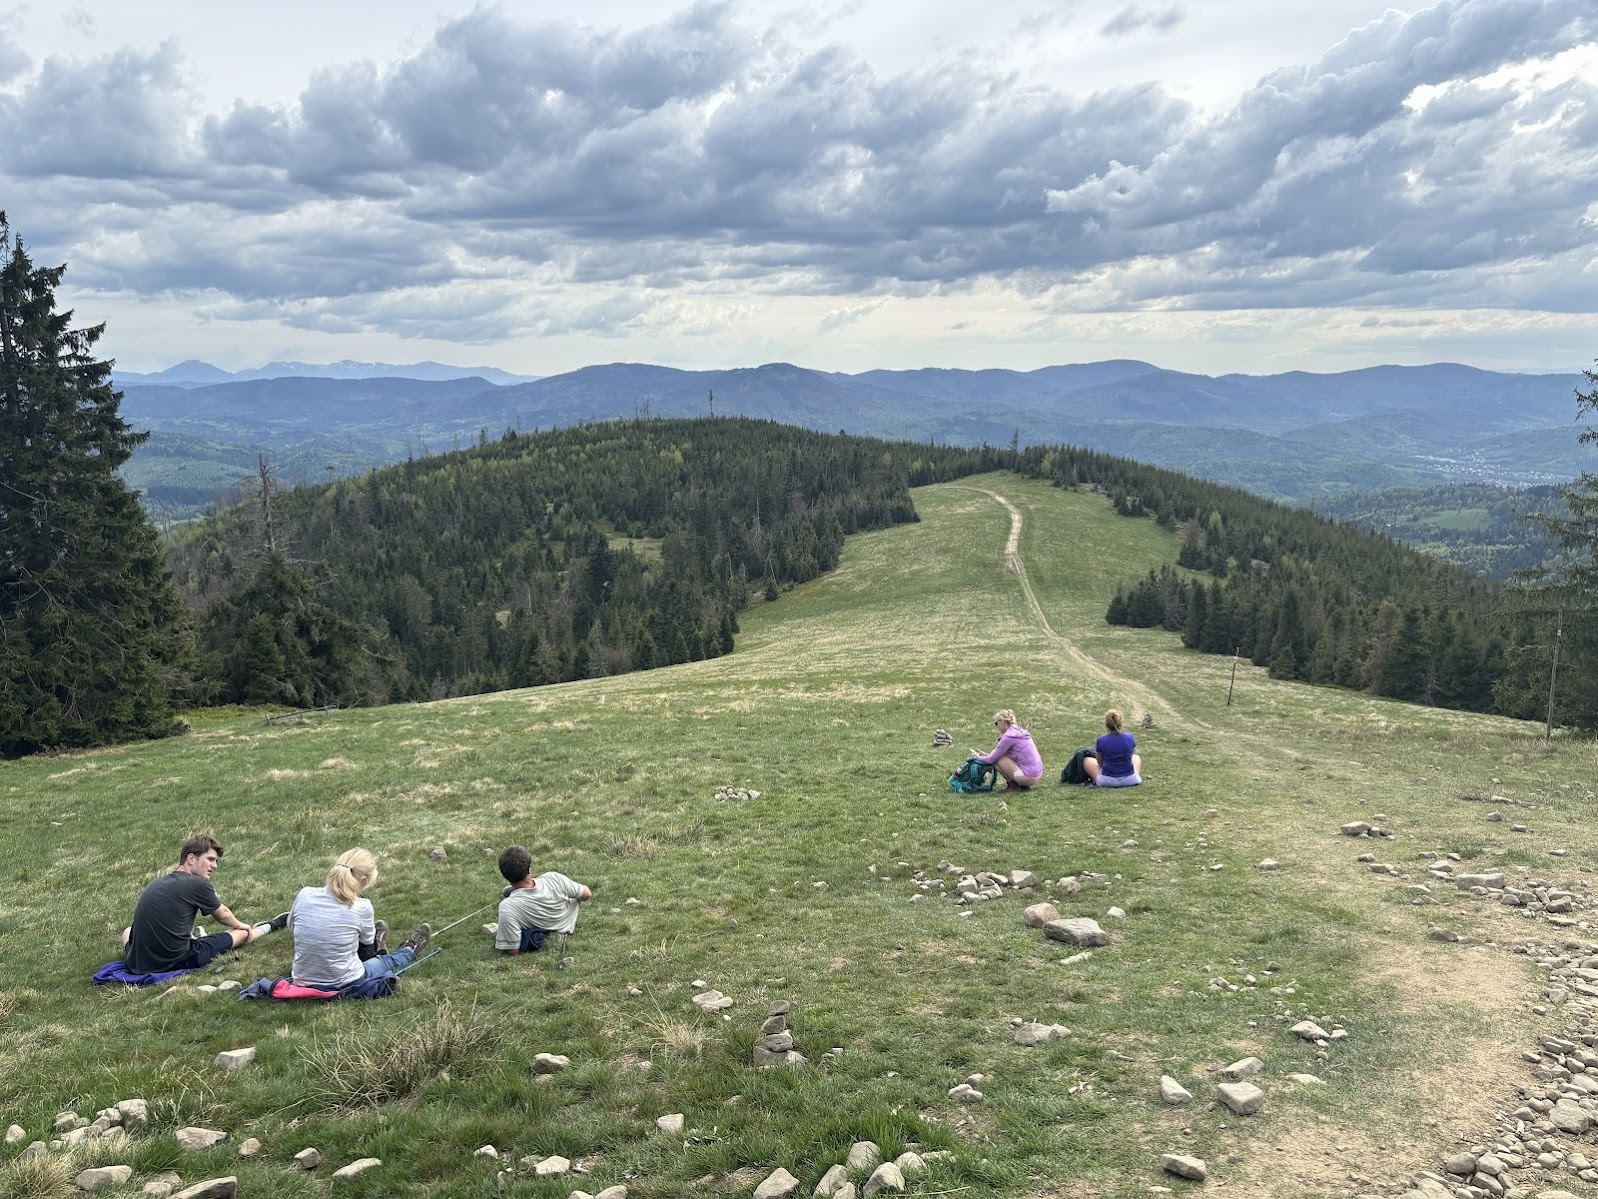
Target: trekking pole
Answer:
pixel 419 961
pixel 561 965
pixel 463 919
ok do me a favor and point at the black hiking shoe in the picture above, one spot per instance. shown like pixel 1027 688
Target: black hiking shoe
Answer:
pixel 380 941
pixel 418 940
pixel 279 922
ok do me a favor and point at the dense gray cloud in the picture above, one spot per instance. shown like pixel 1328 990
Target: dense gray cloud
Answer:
pixel 1403 167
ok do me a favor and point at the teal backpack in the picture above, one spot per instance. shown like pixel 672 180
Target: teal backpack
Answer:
pixel 974 775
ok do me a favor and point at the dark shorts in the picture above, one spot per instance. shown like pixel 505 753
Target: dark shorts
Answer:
pixel 533 939
pixel 204 950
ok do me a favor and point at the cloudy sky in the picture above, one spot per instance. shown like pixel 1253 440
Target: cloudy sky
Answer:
pixel 1211 185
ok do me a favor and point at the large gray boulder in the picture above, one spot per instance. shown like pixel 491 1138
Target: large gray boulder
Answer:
pixel 1079 930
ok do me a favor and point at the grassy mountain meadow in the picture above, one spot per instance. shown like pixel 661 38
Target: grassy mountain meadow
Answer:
pixel 827 707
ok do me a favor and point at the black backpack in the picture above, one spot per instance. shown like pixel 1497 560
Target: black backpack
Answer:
pixel 1075 773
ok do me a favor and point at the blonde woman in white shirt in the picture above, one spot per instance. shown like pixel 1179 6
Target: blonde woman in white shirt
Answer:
pixel 337 939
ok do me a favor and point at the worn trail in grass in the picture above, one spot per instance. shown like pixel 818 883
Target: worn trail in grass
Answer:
pixel 827 708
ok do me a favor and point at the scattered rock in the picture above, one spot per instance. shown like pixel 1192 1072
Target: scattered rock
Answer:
pixel 1040 914
pixel 1355 828
pixel 831 1181
pixel 910 1163
pixel 712 1001
pixel 250 1148
pixel 67 1121
pixel 1246 1067
pixel 163 1184
pixel 672 1124
pixel 1080 931
pixel 616 1192
pixel 1184 1167
pixel 101 1177
pixel 1307 1080
pixel 966 1093
pixel 218 1188
pixel 1567 1116
pixel 864 1156
pixel 1244 1098
pixel 1035 1034
pixel 550 1063
pixel 196 1139
pixel 1267 864
pixel 779 1184
pixel 553 1166
pixel 307 1159
pixel 736 795
pixel 885 1179
pixel 359 1166
pixel 487 1151
pixel 1309 1031
pixel 16 1133
pixel 436 854
pixel 234 1059
pixel 1174 1092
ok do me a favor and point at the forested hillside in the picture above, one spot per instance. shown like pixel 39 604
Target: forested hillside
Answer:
pixel 1482 528
pixel 533 559
pixel 1311 598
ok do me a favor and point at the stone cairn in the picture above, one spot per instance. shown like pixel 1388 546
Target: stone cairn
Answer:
pixel 942 739
pixel 736 795
pixel 776 1042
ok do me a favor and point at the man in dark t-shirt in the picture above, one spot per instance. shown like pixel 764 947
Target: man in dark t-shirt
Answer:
pixel 161 937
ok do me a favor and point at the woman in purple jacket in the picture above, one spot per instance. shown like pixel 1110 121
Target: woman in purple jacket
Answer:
pixel 1016 758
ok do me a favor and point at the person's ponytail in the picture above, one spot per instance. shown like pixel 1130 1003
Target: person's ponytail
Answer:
pixel 353 872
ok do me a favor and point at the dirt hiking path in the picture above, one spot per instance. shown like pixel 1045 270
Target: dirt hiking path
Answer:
pixel 1068 648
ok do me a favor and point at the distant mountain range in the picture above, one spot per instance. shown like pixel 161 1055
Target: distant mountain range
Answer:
pixel 1291 436
pixel 194 373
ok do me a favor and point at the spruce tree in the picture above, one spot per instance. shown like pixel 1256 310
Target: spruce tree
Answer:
pixel 94 644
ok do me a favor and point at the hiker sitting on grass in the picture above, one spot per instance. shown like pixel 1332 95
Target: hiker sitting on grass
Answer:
pixel 1015 757
pixel 162 935
pixel 533 908
pixel 337 940
pixel 1117 765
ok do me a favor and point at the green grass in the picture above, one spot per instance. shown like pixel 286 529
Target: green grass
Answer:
pixel 827 708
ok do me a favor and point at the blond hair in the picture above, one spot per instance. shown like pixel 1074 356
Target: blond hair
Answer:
pixel 1112 721
pixel 353 872
pixel 1005 715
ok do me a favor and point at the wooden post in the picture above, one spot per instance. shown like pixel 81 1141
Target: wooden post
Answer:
pixel 1553 675
pixel 1233 683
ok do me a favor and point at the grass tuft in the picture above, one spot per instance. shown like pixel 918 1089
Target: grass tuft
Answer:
pixel 44 1177
pixel 359 1069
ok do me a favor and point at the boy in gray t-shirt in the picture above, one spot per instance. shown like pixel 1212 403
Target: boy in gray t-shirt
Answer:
pixel 533 908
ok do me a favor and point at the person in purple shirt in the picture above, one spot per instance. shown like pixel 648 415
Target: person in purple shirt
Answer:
pixel 1117 765
pixel 1015 757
